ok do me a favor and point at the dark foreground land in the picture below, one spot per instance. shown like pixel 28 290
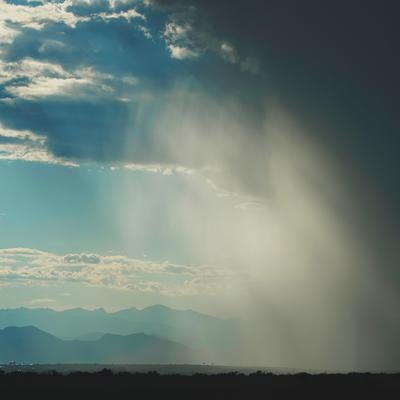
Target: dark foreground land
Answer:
pixel 124 385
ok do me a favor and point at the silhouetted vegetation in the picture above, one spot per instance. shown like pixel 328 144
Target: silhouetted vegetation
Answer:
pixel 123 385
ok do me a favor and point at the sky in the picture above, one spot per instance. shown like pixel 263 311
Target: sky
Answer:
pixel 237 158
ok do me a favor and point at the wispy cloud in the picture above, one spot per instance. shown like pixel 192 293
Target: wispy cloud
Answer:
pixel 36 17
pixel 181 40
pixel 128 15
pixel 159 168
pixel 187 37
pixel 20 266
pixel 32 79
pixel 27 146
pixel 41 302
pixel 14 17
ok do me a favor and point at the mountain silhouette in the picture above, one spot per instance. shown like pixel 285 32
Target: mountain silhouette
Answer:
pixel 32 345
pixel 213 337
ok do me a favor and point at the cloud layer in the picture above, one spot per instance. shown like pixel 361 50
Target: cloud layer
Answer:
pixel 20 266
pixel 115 64
pixel 27 146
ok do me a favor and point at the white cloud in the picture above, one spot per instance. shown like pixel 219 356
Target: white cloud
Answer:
pixel 51 45
pixel 73 87
pixel 128 15
pixel 182 53
pixel 116 3
pixel 31 79
pixel 181 40
pixel 13 17
pixel 147 34
pixel 36 17
pixel 41 302
pixel 7 33
pixel 22 135
pixel 185 38
pixel 159 168
pixel 28 67
pixel 12 152
pixel 228 52
pixel 175 31
pixel 27 146
pixel 20 266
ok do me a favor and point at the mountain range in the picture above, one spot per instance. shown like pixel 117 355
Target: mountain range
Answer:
pixel 212 337
pixel 31 345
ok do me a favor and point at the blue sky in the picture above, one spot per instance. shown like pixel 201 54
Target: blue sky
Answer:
pixel 74 208
pixel 103 211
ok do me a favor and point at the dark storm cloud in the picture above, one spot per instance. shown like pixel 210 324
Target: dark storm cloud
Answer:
pixel 333 65
pixel 106 78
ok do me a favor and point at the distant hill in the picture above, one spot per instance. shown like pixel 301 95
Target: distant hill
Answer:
pixel 214 337
pixel 32 345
